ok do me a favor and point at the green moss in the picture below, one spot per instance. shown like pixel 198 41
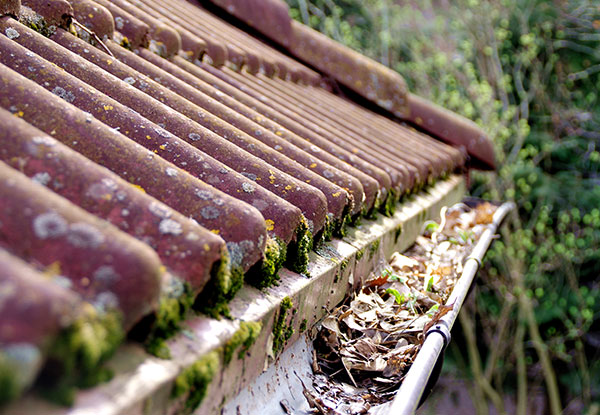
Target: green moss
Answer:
pixel 344 265
pixel 360 254
pixel 36 22
pixel 194 381
pixel 303 326
pixel 9 387
pixel 389 207
pixel 281 331
pixel 397 233
pixel 176 300
pixel 245 337
pixel 75 356
pixel 340 225
pixel 298 249
pixel 374 247
pixel 266 272
pixel 225 282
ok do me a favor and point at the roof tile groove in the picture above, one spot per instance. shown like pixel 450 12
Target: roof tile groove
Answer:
pixel 186 248
pixel 136 33
pixel 399 175
pixel 315 138
pixel 186 71
pixel 41 227
pixel 309 199
pixel 130 123
pixel 236 221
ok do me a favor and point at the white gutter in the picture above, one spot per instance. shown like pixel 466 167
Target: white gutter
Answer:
pixel 409 395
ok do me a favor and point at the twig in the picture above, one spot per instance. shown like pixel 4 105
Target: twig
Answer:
pixel 94 35
pixel 521 371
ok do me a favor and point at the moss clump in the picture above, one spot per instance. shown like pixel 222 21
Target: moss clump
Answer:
pixel 281 331
pixel 339 225
pixel 266 272
pixel 298 249
pixel 397 233
pixel 226 280
pixel 194 381
pixel 9 387
pixel 75 357
pixel 245 337
pixel 360 254
pixel 302 328
pixel 374 247
pixel 36 22
pixel 391 202
pixel 176 300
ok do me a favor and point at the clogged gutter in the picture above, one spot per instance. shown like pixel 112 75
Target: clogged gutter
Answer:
pixel 365 348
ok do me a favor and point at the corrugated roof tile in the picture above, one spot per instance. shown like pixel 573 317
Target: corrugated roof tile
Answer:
pixel 226 134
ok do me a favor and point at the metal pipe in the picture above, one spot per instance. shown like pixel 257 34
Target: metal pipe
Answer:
pixel 437 338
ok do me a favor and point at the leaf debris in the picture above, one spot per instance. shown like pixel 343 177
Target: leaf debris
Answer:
pixel 366 346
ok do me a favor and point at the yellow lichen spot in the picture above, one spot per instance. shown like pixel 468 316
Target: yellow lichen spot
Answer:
pixel 162 146
pixel 313 165
pixel 19 114
pixel 270 224
pixel 206 247
pixel 162 269
pixel 215 231
pixel 140 188
pixel 336 194
pixel 279 133
pixel 355 150
pixel 109 61
pixel 107 196
pixel 288 187
pixel 90 15
pixel 148 137
pixel 53 269
pixel 257 119
pixel 108 107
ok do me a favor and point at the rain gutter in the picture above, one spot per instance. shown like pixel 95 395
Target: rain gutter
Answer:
pixel 420 378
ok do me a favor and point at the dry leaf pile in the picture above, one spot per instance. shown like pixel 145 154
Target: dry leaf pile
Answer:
pixel 371 340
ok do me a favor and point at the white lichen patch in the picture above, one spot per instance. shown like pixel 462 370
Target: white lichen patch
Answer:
pixel 160 210
pixel 105 274
pixel 49 225
pixel 248 188
pixel 169 227
pixel 171 172
pixel 42 178
pixel 106 301
pixel 130 80
pixel 194 137
pixel 63 93
pixel 84 235
pixel 44 140
pixel 209 212
pixel 204 194
pixel 11 33
pixel 328 174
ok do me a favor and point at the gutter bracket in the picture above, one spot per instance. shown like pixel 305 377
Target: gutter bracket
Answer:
pixel 442 329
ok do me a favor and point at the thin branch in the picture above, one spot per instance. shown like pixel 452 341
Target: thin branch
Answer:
pixel 94 35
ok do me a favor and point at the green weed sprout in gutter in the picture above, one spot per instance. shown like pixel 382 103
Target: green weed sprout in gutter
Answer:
pixel 75 357
pixel 194 381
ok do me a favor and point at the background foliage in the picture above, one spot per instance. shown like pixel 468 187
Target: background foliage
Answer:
pixel 528 72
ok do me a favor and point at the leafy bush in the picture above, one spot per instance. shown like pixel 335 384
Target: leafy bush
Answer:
pixel 528 72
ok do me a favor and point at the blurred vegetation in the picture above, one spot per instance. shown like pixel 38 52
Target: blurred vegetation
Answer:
pixel 528 72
